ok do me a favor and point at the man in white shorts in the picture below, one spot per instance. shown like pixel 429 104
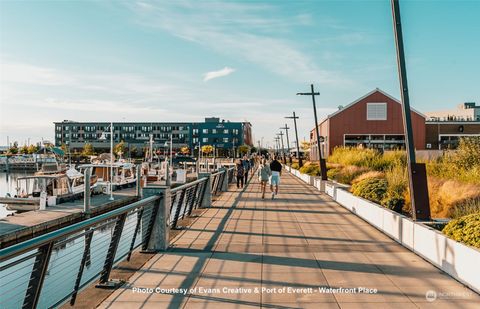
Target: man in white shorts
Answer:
pixel 276 168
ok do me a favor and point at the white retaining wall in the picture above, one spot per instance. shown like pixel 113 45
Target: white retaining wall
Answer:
pixel 456 259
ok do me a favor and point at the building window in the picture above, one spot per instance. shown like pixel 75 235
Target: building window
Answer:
pixel 214 131
pixel 225 139
pixel 205 131
pixel 376 111
pixel 205 139
pixel 225 131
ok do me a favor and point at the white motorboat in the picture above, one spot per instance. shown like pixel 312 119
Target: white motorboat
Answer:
pixel 124 174
pixel 40 190
pixel 77 181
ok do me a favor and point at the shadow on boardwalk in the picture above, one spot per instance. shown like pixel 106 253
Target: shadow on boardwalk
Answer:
pixel 244 250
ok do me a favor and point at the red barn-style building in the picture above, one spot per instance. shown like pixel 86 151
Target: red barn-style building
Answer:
pixel 374 121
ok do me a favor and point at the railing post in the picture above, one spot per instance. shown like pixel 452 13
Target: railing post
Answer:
pixel 158 236
pixel 139 180
pixel 206 199
pixel 86 193
pixel 37 276
pixel 224 184
pixel 104 282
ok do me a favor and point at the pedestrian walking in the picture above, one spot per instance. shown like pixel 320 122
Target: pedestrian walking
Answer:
pixel 252 162
pixel 246 167
pixel 276 168
pixel 264 174
pixel 240 173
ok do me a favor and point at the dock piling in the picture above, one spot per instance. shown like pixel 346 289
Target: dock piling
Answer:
pixel 86 193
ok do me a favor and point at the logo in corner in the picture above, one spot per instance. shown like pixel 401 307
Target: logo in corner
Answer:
pixel 431 295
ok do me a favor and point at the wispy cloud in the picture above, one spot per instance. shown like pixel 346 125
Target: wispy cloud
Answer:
pixel 216 74
pixel 240 30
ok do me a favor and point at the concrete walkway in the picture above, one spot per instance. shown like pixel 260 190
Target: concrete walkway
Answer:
pixel 246 252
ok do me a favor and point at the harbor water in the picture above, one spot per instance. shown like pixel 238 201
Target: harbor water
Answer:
pixel 8 183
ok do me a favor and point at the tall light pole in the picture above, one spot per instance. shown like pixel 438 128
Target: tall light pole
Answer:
pixel 277 145
pixel 294 117
pixel 323 165
pixel 286 128
pixel 111 161
pixel 416 171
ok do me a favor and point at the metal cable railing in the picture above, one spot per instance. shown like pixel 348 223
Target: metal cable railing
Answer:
pixel 47 270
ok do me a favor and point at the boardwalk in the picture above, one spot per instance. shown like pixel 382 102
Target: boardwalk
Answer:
pixel 302 241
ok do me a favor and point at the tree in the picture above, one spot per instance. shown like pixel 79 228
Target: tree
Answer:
pixel 87 150
pixel 32 149
pixel 24 149
pixel 120 148
pixel 13 149
pixel 185 150
pixel 207 149
pixel 243 149
pixel 254 149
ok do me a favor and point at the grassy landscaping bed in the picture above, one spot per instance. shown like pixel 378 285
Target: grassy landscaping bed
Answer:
pixel 453 182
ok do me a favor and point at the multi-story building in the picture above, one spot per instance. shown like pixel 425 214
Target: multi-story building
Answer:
pixel 445 128
pixel 136 135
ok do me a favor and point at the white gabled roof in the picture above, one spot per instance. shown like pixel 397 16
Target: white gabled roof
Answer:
pixel 367 95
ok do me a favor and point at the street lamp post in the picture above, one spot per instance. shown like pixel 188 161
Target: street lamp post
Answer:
pixel 294 117
pixel 323 165
pixel 416 171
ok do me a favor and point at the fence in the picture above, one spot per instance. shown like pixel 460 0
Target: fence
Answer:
pixel 47 270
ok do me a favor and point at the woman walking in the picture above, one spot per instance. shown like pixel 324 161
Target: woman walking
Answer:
pixel 240 173
pixel 264 173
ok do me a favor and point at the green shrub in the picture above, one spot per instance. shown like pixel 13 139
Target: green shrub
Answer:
pixel 333 172
pixel 372 189
pixel 465 229
pixel 295 165
pixel 393 202
pixel 311 169
pixel 468 153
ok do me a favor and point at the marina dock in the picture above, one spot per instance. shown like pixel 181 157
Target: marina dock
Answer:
pixel 23 226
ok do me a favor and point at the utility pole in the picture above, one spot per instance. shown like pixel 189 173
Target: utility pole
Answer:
pixel 286 128
pixel 323 165
pixel 283 147
pixel 300 163
pixel 277 145
pixel 416 171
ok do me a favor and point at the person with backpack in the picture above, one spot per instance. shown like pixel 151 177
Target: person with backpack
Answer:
pixel 276 168
pixel 264 174
pixel 240 173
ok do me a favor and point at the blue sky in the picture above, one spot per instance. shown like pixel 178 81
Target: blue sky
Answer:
pixel 239 60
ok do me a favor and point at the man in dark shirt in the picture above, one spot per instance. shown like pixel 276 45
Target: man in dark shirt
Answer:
pixel 276 168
